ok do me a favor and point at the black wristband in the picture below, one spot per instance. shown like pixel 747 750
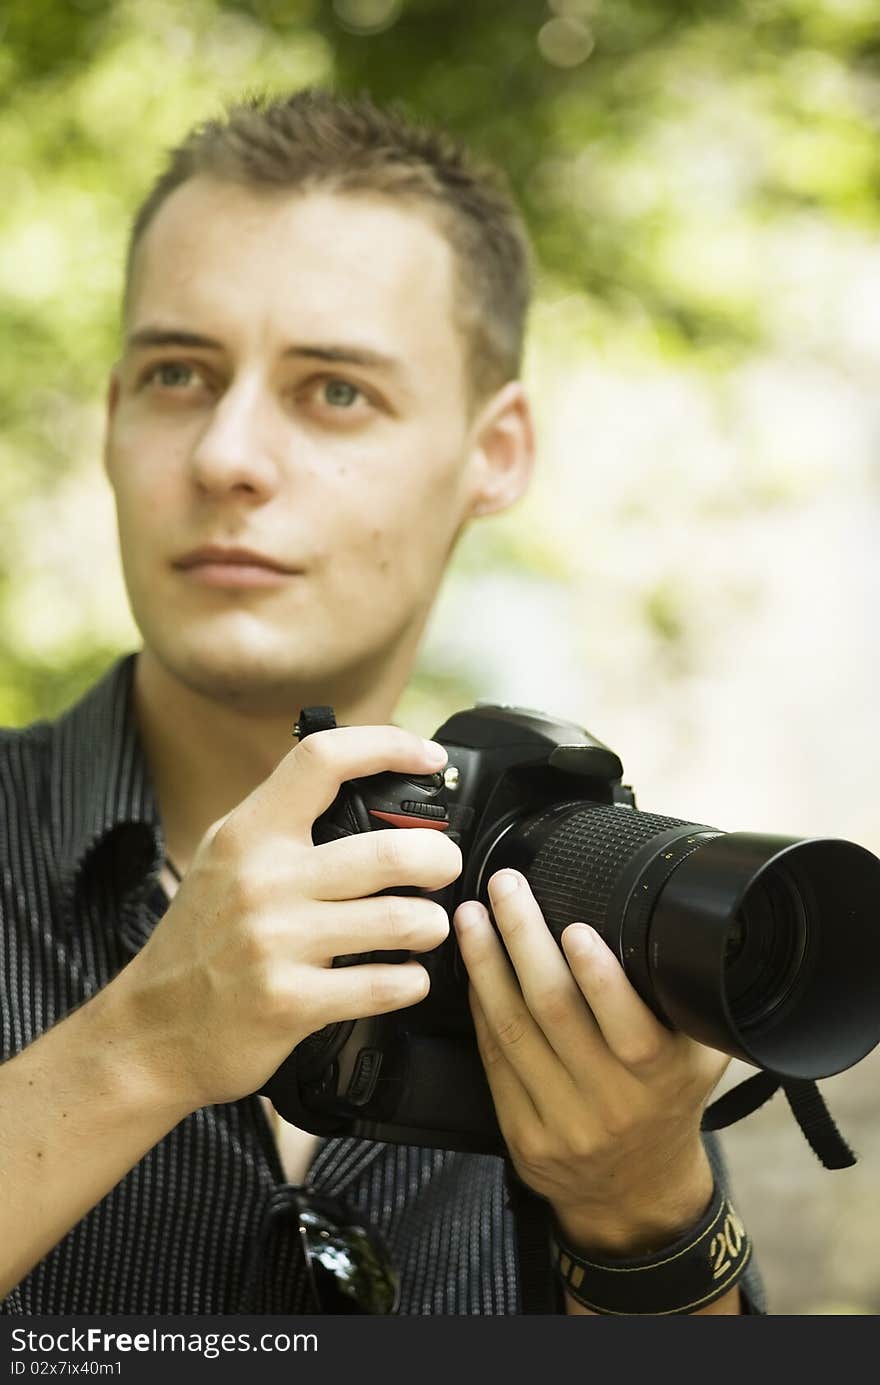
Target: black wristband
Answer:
pixel 684 1277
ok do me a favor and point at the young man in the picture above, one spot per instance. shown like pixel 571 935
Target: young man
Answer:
pixel 318 390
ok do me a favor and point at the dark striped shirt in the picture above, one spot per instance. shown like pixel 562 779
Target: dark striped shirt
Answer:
pixel 202 1224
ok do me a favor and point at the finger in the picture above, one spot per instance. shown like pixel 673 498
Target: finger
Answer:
pixel 366 862
pixel 630 1029
pixel 501 1001
pixel 370 988
pixel 309 777
pixel 384 923
pixel 513 1105
pixel 550 990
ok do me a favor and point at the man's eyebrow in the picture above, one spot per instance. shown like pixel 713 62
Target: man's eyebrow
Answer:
pixel 341 353
pixel 170 336
pixel 344 354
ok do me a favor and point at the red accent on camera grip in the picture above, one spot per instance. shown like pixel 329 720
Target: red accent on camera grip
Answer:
pixel 408 820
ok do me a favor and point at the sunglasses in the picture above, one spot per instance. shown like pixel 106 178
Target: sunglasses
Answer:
pixel 348 1264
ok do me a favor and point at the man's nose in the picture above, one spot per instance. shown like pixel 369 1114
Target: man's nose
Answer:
pixel 236 451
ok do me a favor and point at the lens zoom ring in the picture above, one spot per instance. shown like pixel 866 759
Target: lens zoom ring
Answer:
pixel 574 873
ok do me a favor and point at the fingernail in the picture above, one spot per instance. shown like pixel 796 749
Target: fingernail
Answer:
pixel 468 914
pixel 504 884
pixel 580 937
pixel 436 752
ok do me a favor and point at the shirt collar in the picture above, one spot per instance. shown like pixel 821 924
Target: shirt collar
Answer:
pixel 100 781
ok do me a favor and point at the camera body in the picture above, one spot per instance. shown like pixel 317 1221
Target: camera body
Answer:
pixel 764 947
pixel 414 1076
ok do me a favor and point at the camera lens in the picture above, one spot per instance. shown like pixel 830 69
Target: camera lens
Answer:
pixel 766 950
pixel 763 946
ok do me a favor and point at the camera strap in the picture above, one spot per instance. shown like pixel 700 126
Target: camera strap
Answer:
pixel 807 1105
pixel 538 1285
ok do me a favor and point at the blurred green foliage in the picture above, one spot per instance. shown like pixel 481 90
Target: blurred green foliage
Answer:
pixel 654 145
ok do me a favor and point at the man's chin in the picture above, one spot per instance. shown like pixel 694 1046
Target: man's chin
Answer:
pixel 250 681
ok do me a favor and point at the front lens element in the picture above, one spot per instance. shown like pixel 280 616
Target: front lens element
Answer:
pixel 767 951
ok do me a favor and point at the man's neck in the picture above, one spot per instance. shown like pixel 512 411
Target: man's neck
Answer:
pixel 206 756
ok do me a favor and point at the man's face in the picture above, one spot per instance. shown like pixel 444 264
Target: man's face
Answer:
pixel 292 386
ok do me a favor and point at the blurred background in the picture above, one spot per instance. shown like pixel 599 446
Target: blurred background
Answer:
pixel 695 575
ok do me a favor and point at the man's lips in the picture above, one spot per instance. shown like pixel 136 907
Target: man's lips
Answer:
pixel 215 566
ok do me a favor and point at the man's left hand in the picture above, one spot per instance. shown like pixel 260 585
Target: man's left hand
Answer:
pixel 598 1102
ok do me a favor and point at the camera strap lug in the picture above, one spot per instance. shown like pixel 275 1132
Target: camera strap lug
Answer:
pixel 312 719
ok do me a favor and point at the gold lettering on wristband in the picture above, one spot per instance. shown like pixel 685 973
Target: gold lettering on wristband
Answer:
pixel 726 1244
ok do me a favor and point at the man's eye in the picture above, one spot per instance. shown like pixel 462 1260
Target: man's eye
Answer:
pixel 171 375
pixel 339 394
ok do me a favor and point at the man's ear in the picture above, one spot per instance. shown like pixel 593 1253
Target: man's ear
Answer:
pixel 502 451
pixel 111 403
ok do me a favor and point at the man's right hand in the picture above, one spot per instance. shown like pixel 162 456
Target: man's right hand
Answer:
pixel 240 968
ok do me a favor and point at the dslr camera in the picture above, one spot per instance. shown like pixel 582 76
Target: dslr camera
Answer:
pixel 763 947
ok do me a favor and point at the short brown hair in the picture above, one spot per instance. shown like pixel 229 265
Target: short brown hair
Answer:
pixel 315 139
